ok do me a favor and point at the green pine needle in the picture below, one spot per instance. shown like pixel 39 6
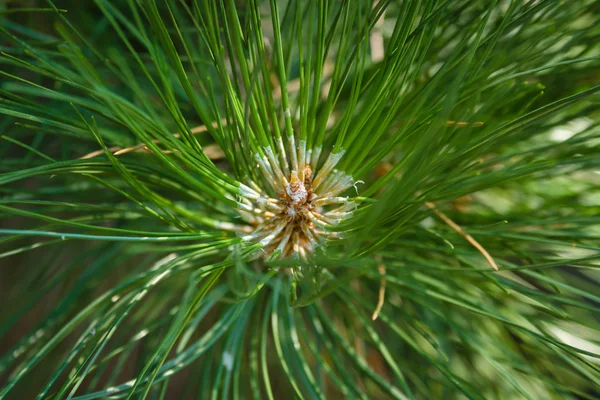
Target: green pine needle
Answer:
pixel 317 199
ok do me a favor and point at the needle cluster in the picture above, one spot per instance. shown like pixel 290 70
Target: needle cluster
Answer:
pixel 299 209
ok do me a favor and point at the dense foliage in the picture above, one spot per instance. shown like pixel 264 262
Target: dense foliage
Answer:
pixel 314 199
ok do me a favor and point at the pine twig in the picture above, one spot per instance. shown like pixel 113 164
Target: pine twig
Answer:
pixel 212 151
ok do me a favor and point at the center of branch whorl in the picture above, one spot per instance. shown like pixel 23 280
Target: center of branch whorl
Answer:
pixel 298 195
pixel 297 220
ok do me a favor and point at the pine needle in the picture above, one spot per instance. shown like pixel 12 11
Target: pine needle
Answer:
pixel 464 234
pixel 381 293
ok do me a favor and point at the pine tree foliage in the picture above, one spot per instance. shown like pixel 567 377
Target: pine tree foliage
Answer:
pixel 309 199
